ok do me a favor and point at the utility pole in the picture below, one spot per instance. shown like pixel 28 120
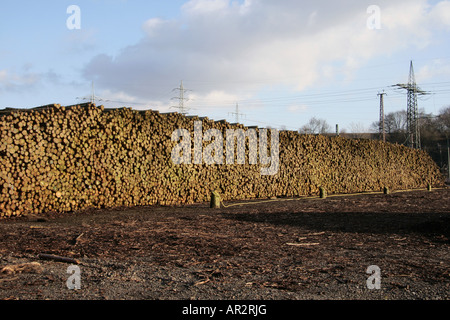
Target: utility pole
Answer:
pixel 181 106
pixel 448 160
pixel 382 127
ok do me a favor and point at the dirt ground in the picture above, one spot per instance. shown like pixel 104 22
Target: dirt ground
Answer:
pixel 280 250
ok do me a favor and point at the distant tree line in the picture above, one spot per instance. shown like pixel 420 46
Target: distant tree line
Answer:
pixel 434 132
pixel 315 126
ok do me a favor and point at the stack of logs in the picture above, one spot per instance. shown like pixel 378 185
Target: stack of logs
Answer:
pixel 58 159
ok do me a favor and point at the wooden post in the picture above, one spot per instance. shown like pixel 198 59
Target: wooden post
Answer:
pixel 322 193
pixel 215 200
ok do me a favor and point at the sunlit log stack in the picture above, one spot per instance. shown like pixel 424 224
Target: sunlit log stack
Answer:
pixel 59 159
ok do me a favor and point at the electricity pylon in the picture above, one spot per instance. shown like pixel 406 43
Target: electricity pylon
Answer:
pixel 92 98
pixel 413 139
pixel 236 114
pixel 181 106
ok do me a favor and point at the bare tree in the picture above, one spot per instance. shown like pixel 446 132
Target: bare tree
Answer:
pixel 315 126
pixel 359 131
pixel 395 126
pixel 443 121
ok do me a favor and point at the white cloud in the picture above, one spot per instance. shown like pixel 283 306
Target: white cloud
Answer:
pixel 153 26
pixel 15 81
pixel 434 69
pixel 202 7
pixel 312 19
pixel 26 79
pixel 3 75
pixel 235 48
pixel 441 14
pixel 79 42
pixel 297 108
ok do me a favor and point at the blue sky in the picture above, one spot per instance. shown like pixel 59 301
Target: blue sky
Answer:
pixel 283 62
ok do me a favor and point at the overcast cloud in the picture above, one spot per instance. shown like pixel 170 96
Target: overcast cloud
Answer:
pixel 232 49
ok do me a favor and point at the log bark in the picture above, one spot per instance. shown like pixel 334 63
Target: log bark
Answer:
pixel 59 159
pixel 52 257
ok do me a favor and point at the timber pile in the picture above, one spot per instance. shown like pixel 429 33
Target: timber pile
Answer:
pixel 59 159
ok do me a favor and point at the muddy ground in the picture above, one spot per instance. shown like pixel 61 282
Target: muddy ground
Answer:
pixel 284 250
